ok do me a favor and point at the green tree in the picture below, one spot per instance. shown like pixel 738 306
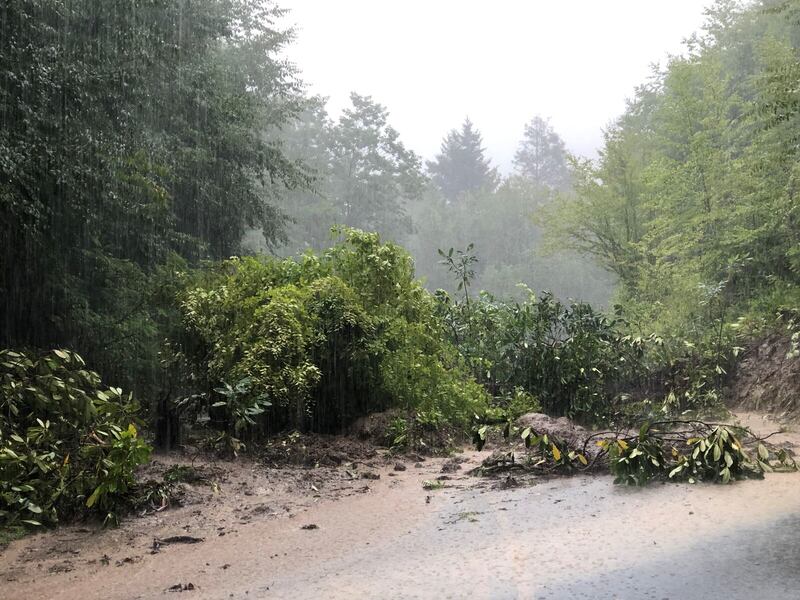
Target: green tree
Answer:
pixel 462 167
pixel 542 156
pixel 364 176
pixel 129 131
pixel 695 190
pixel 374 175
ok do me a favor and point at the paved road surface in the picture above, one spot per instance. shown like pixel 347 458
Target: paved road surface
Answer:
pixel 570 539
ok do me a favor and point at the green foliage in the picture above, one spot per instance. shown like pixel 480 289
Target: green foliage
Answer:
pixel 461 267
pixel 66 442
pixel 462 168
pixel 719 457
pixel 398 433
pixel 318 342
pixel 791 318
pixel 479 435
pixel 502 225
pixel 365 177
pixel 635 462
pixel 693 200
pixel 130 131
pixel 552 452
pixel 520 402
pixel 569 358
pixel 542 156
pixel 240 404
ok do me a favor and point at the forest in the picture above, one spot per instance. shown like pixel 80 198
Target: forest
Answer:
pixel 194 246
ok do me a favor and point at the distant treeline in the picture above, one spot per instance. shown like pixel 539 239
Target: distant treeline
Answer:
pixel 367 178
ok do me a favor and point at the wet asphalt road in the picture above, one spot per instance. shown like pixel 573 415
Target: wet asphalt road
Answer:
pixel 758 563
pixel 573 539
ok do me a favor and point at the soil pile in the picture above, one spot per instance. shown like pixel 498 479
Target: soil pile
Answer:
pixel 562 428
pixel 766 379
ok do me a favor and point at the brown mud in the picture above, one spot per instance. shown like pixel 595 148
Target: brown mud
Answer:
pixel 766 379
pixel 244 516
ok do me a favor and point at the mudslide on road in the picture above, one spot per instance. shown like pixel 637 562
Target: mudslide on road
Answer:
pixel 579 537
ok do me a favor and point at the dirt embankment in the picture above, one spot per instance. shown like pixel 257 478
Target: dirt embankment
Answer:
pixel 766 379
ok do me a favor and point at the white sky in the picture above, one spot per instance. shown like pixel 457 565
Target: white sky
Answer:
pixel 500 62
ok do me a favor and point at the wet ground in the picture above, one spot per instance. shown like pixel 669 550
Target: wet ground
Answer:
pixel 579 537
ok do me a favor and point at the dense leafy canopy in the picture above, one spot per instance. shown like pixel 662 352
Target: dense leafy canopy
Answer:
pixel 318 342
pixel 148 146
pixel 130 130
pixel 693 200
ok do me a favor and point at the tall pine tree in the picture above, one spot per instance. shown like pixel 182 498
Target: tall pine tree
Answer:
pixel 462 166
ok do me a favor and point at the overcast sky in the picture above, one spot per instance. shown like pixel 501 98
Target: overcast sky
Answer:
pixel 500 62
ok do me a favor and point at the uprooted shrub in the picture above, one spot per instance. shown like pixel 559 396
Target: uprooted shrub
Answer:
pixel 635 461
pixel 68 444
pixel 315 343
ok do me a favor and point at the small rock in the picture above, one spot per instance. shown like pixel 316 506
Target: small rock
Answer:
pixel 261 509
pixel 399 467
pixel 62 567
pixel 310 526
pixel 451 466
pixel 370 475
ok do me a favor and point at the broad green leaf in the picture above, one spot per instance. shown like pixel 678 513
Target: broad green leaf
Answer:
pixel 91 500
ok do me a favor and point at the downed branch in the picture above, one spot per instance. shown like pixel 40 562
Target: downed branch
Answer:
pixel 687 450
